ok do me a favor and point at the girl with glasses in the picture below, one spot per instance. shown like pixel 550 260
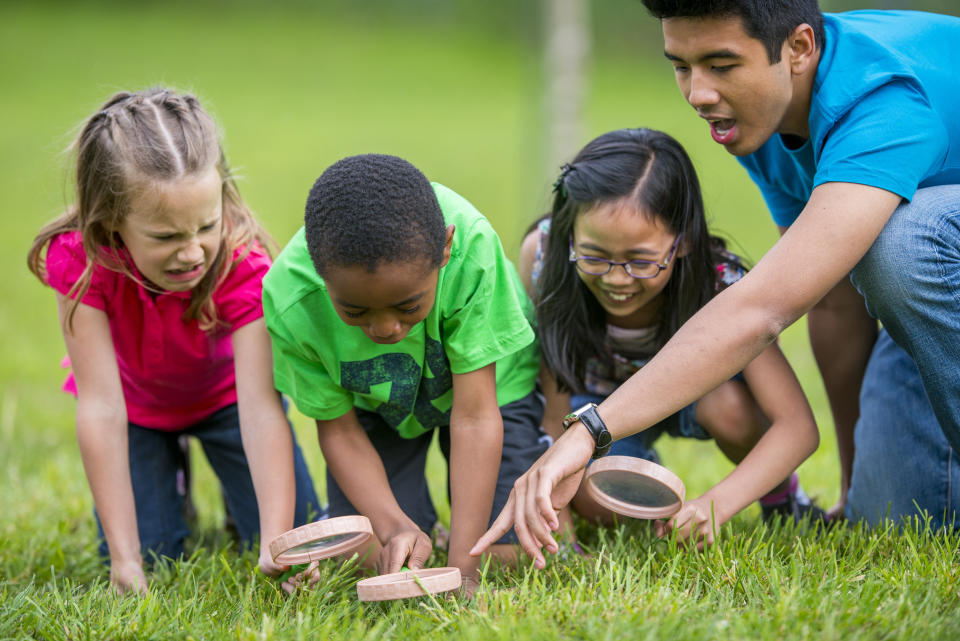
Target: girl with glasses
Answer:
pixel 621 261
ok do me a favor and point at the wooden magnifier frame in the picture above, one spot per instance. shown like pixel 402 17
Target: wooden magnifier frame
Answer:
pixel 356 528
pixel 625 467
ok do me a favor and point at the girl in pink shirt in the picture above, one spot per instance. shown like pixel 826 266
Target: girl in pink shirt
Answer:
pixel 158 270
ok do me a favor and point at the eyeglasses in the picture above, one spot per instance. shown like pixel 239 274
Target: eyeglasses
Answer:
pixel 638 268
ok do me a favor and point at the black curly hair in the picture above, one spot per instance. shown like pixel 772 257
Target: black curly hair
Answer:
pixel 372 209
pixel 768 22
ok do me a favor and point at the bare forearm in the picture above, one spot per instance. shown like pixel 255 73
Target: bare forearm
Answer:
pixel 716 343
pixel 476 448
pixel 268 445
pixel 358 470
pixel 782 449
pixel 102 437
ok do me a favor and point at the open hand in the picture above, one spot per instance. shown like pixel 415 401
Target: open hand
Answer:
pixel 128 576
pixel 539 494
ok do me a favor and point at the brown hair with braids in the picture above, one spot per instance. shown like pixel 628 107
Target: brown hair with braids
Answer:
pixel 132 140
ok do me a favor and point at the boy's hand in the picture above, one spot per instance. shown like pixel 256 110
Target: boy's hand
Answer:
pixel 305 578
pixel 694 522
pixel 267 565
pixel 128 576
pixel 410 547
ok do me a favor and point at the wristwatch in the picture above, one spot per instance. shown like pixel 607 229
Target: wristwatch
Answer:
pixel 594 424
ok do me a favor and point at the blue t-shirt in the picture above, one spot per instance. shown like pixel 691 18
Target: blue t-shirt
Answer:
pixel 883 113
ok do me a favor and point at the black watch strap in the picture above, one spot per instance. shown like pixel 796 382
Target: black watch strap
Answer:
pixel 598 430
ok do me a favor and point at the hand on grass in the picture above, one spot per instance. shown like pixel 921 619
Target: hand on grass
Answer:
pixel 539 494
pixel 268 566
pixel 128 576
pixel 408 547
pixel 838 512
pixel 694 523
pixel 469 587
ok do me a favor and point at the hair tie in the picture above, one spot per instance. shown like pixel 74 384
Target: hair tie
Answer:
pixel 565 170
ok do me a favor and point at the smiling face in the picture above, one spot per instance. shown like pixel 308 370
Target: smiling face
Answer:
pixel 172 230
pixel 617 231
pixel 727 77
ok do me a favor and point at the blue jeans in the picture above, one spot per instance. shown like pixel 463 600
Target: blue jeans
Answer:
pixel 153 473
pixel 404 460
pixel 903 464
pixel 910 279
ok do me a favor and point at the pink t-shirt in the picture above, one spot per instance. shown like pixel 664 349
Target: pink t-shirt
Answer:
pixel 173 373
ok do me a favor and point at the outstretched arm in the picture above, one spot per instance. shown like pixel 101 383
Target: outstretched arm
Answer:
pixel 355 464
pixel 102 436
pixel 790 439
pixel 835 229
pixel 267 441
pixel 476 445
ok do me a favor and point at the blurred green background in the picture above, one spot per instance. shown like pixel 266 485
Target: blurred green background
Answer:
pixel 454 86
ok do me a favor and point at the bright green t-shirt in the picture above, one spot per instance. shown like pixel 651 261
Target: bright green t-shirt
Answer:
pixel 481 316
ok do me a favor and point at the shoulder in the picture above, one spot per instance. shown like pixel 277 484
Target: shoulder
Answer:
pixel 729 266
pixel 866 50
pixel 292 288
pixel 65 250
pixel 66 260
pixel 457 210
pixel 532 255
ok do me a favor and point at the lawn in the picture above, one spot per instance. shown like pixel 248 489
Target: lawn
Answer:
pixel 294 90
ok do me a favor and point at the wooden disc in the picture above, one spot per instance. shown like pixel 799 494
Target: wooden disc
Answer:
pixel 403 585
pixel 635 487
pixel 321 539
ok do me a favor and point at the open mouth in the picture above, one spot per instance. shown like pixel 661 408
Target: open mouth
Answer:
pixel 619 297
pixel 187 273
pixel 723 130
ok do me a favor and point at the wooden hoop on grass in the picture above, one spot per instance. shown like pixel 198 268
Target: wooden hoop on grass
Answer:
pixel 403 585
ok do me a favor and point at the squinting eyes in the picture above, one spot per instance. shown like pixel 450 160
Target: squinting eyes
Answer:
pixel 203 230
pixel 410 310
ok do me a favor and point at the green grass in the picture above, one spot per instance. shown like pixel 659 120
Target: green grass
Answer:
pixel 295 89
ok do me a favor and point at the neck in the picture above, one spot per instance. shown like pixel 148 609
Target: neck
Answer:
pixel 796 122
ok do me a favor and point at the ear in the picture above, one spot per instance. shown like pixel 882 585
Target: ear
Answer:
pixel 801 49
pixel 448 245
pixel 683 248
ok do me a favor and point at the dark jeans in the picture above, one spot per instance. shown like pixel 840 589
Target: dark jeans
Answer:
pixel 404 460
pixel 153 473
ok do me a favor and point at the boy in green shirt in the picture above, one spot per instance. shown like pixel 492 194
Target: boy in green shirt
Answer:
pixel 394 313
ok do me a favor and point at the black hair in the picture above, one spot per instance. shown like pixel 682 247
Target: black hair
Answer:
pixel 652 172
pixel 768 22
pixel 371 209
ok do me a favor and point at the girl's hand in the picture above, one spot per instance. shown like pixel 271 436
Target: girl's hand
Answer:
pixel 128 576
pixel 469 587
pixel 838 512
pixel 694 523
pixel 408 547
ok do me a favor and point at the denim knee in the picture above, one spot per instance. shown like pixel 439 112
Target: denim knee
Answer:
pixel 910 279
pixel 917 249
pixel 903 465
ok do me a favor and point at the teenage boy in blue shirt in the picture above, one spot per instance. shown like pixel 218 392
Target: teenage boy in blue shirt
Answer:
pixel 847 123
